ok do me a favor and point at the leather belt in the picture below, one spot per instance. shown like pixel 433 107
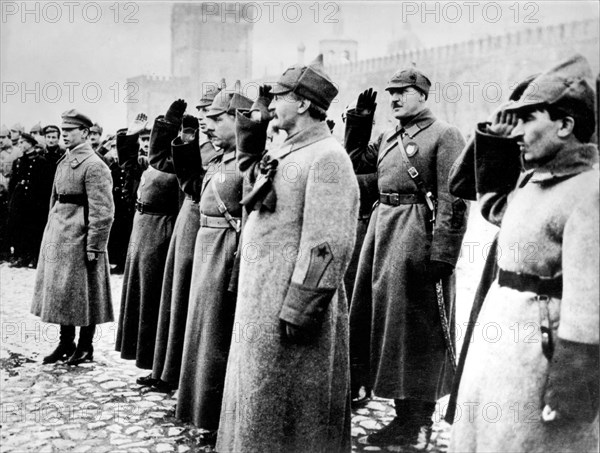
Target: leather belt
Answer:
pixel 216 222
pixel 147 208
pixel 72 198
pixel 396 199
pixel 551 287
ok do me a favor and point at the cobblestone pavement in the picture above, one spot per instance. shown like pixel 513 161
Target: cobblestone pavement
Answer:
pixel 98 407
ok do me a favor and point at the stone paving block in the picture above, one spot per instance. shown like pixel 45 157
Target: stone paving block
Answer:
pixel 63 444
pixel 163 448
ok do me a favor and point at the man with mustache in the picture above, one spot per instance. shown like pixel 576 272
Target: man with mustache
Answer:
pixel 401 318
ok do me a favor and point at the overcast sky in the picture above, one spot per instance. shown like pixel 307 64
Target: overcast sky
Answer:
pixel 58 56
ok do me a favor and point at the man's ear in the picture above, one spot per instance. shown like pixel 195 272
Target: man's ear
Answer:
pixel 566 127
pixel 303 106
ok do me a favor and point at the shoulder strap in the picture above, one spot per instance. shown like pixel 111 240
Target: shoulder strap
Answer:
pixel 416 176
pixel 235 223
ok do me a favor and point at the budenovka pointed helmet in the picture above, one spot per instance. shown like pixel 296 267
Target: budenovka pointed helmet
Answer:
pixel 309 82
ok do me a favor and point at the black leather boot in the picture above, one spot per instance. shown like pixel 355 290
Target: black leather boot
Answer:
pixel 84 351
pixel 66 345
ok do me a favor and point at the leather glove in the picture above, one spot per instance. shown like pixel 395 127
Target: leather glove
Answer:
pixel 366 105
pixel 262 103
pixel 189 127
pixel 330 125
pixel 175 113
pixel 437 270
pixel 572 384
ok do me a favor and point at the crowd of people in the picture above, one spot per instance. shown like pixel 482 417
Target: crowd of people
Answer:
pixel 278 278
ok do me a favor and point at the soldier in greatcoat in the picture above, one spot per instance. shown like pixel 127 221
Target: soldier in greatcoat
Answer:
pixel 535 387
pixel 8 154
pixel 72 286
pixel 157 206
pixel 190 150
pixel 29 187
pixel 287 382
pixel 212 302
pixel 402 311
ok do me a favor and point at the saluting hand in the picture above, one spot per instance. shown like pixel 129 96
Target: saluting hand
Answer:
pixel 365 104
pixel 502 122
pixel 260 109
pixel 138 124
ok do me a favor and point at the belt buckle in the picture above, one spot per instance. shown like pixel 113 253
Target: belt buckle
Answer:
pixel 394 198
pixel 140 207
pixel 413 172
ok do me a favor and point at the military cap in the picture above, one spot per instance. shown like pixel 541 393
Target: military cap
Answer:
pixel 36 128
pixel 29 138
pixel 51 128
pixel 409 77
pixel 18 127
pixel 73 119
pixel 309 82
pixel 567 86
pixel 209 93
pixel 96 128
pixel 227 101
pixel 4 132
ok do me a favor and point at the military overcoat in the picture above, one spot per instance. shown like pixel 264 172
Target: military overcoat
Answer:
pixel 395 328
pixel 70 290
pixel 281 395
pixel 549 227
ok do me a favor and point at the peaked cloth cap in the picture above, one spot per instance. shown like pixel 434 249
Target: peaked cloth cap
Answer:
pixel 567 86
pixel 228 101
pixel 73 119
pixel 409 77
pixel 309 82
pixel 36 128
pixel 209 92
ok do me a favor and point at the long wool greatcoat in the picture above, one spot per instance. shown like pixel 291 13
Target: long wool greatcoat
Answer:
pixel 68 289
pixel 177 278
pixel 147 251
pixel 281 395
pixel 395 329
pixel 211 306
pixel 549 228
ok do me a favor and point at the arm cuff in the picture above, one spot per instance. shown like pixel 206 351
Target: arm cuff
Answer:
pixel 304 306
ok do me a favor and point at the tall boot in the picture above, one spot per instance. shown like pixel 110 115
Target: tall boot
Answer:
pixel 395 432
pixel 418 433
pixel 85 350
pixel 66 345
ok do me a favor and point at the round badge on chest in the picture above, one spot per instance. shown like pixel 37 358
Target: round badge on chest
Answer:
pixel 411 149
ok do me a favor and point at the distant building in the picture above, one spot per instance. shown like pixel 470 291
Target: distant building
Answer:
pixel 209 41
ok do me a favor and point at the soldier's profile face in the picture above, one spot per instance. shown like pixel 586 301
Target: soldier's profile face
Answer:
pixel 223 130
pixel 202 119
pixel 406 102
pixel 14 135
pixel 51 138
pixel 285 111
pixel 74 137
pixel 537 136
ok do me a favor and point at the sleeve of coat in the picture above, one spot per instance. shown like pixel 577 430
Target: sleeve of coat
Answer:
pixel 187 164
pixel 497 170
pixel 101 208
pixel 451 217
pixel 461 180
pixel 326 242
pixel 159 153
pixel 363 153
pixel 251 140
pixel 579 314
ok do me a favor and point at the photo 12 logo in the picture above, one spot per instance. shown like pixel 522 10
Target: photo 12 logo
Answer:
pixel 70 12
pixel 53 92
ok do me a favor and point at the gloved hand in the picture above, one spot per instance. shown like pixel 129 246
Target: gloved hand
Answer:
pixel 572 384
pixel 175 113
pixel 261 105
pixel 436 270
pixel 295 334
pixel 189 127
pixel 330 125
pixel 365 104
pixel 138 124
